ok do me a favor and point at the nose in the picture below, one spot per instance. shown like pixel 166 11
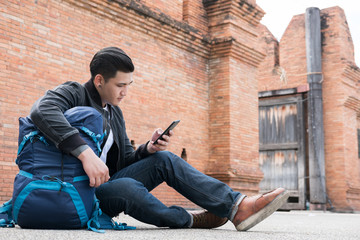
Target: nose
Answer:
pixel 123 92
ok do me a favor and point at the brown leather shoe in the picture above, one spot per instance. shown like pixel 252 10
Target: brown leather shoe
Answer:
pixel 205 219
pixel 253 210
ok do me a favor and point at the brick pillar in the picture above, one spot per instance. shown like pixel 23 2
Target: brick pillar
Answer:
pixel 233 64
pixel 341 111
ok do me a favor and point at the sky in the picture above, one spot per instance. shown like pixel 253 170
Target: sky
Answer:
pixel 280 12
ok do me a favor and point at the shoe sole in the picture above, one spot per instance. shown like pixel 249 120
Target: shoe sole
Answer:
pixel 264 213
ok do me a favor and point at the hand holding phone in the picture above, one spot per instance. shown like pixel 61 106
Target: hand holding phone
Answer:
pixel 166 132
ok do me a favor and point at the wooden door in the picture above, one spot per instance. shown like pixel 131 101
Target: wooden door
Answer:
pixel 282 147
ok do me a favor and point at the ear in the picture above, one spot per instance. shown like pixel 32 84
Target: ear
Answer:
pixel 98 80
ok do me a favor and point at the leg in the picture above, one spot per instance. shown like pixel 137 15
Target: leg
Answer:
pixel 128 190
pixel 199 188
pixel 130 196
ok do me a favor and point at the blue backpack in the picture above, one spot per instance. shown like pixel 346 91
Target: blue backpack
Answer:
pixel 51 190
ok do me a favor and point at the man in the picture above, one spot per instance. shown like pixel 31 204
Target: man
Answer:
pixel 123 177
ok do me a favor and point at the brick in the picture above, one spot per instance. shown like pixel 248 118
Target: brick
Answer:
pixel 342 162
pixel 211 87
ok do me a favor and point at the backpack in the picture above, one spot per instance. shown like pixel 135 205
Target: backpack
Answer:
pixel 51 190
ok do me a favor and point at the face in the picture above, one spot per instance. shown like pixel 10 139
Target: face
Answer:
pixel 115 89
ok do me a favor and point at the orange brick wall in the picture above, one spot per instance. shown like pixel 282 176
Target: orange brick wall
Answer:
pixel 174 10
pixel 233 65
pixel 341 96
pixel 220 115
pixel 45 43
pixel 268 73
pixel 48 42
pixel 288 55
pixel 244 123
pixel 334 113
pixel 199 61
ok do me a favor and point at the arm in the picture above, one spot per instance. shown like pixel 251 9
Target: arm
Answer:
pixel 47 115
pixel 148 148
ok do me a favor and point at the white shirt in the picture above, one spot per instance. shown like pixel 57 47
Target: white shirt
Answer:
pixel 109 142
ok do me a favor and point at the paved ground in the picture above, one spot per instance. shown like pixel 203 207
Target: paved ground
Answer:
pixel 280 225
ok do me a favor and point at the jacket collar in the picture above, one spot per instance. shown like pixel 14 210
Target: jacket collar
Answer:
pixel 95 96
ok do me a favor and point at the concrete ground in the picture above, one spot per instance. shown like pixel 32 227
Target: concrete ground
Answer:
pixel 280 225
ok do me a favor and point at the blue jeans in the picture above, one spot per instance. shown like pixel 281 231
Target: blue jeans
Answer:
pixel 128 191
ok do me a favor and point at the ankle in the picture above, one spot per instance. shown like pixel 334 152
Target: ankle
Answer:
pixel 236 207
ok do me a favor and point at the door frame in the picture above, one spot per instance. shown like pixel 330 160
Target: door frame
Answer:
pixel 297 198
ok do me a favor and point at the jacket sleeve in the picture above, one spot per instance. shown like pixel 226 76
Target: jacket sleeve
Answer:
pixel 47 115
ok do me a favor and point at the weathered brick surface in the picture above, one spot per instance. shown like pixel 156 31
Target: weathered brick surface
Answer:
pixel 341 96
pixel 233 103
pixel 45 43
pixel 341 105
pixel 199 61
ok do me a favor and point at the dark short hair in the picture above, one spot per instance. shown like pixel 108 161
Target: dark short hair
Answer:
pixel 108 61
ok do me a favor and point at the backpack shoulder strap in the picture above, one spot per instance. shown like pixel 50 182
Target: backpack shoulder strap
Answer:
pixel 30 137
pixel 6 208
pixel 97 138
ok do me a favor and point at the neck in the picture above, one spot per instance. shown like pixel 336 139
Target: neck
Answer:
pixel 94 93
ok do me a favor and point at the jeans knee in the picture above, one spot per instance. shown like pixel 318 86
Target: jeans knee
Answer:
pixel 166 157
pixel 163 154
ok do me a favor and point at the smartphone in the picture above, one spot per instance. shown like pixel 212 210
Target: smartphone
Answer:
pixel 166 132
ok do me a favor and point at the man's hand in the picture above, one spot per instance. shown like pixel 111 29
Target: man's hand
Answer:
pixel 96 169
pixel 161 144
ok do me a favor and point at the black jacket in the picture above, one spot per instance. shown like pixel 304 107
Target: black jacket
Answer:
pixel 47 115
